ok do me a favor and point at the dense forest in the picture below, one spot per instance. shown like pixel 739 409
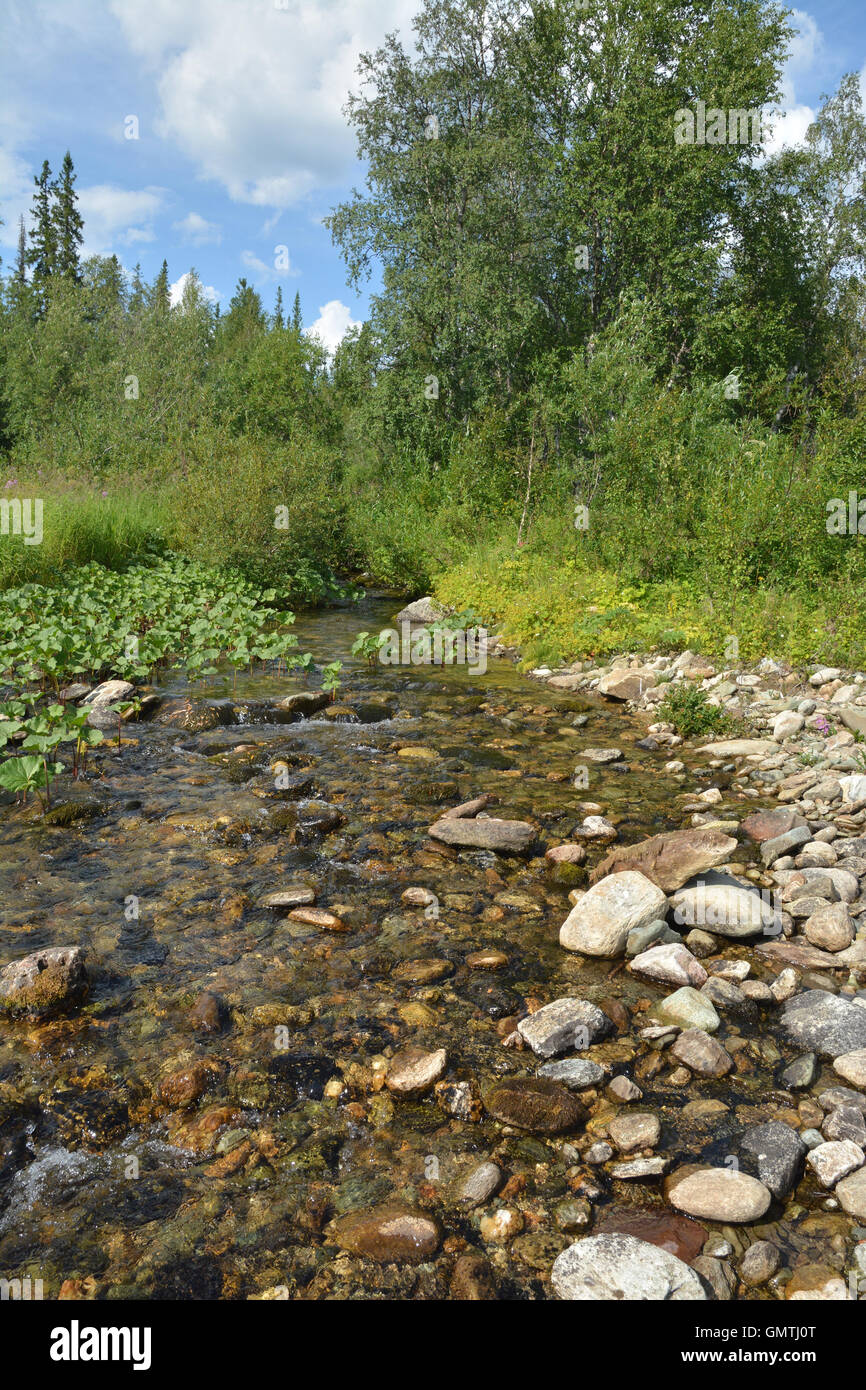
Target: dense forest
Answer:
pixel 611 389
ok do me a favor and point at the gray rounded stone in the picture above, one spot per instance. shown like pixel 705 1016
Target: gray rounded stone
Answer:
pixel 615 1267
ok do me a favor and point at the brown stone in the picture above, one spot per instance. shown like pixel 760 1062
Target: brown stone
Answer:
pixel 535 1104
pixel 392 1233
pixel 671 859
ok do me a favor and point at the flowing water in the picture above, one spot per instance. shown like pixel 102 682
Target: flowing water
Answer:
pixel 105 1182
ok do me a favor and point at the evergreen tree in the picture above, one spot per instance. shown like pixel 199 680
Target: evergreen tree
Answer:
pixel 160 291
pixel 21 258
pixel 278 308
pixel 42 255
pixel 137 293
pixel 297 321
pixel 67 220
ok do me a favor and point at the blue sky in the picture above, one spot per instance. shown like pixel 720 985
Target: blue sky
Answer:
pixel 242 147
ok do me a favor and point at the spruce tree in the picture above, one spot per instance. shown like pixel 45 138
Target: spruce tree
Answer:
pixel 278 308
pixel 42 255
pixel 297 321
pixel 68 223
pixel 160 292
pixel 21 258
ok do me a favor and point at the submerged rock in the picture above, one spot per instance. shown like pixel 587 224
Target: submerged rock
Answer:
pixel 504 836
pixel 391 1233
pixel 45 983
pixel 534 1103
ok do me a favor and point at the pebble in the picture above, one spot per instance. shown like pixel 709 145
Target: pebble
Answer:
pixel 388 1234
pixel 673 964
pixel 480 1185
pixel 413 1071
pixel 759 1264
pixel 577 1073
pixel 687 1008
pixel 621 1088
pixel 701 1053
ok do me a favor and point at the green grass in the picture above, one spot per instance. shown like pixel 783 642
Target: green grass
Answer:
pixel 82 524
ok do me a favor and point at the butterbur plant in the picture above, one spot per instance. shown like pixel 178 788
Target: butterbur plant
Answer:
pixel 331 678
pixel 367 646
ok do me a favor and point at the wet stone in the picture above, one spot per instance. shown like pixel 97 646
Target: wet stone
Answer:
pixel 774 1152
pixel 563 1025
pixel 45 983
pixel 390 1233
pixel 576 1073
pixel 535 1104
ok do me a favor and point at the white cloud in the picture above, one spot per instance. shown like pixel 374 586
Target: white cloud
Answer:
pixel 255 98
pixel 117 216
pixel 16 182
pixel 787 129
pixel 198 230
pixel 256 264
pixel 176 290
pixel 334 321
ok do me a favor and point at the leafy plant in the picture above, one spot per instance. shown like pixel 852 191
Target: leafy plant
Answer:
pixel 687 708
pixel 331 678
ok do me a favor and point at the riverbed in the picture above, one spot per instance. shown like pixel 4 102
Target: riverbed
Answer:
pixel 202 1125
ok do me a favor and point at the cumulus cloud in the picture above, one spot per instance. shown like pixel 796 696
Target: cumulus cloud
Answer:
pixel 198 230
pixel 176 290
pixel 118 216
pixel 334 321
pixel 254 97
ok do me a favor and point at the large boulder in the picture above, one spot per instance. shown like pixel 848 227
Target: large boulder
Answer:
pixel 627 685
pixel 671 859
pixel 599 925
pixel 45 983
pixel 422 611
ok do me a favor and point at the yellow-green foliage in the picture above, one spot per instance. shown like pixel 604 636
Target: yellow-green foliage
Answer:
pixel 557 609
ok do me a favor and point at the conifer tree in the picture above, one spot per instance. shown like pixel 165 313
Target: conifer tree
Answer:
pixel 67 220
pixel 297 321
pixel 278 308
pixel 42 255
